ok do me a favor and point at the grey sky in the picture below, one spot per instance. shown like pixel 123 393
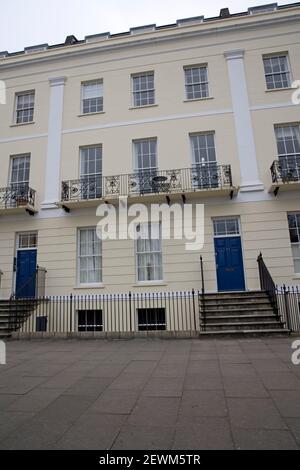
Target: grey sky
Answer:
pixel 30 22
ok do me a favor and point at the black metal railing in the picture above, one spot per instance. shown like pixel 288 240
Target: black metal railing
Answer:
pixel 286 170
pixel 288 301
pixel 108 313
pixel 17 195
pixel 266 282
pixel 38 280
pixel 202 296
pixel 198 178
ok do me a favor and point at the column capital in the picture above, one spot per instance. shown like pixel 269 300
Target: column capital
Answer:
pixel 236 54
pixel 57 81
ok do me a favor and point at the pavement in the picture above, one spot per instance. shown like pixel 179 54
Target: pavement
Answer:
pixel 150 394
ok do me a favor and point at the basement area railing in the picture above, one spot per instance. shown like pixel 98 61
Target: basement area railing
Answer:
pixel 109 313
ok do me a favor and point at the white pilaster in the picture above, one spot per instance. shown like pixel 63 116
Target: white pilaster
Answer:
pixel 243 125
pixel 52 176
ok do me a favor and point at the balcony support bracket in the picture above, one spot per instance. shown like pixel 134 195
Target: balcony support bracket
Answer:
pixel 66 209
pixel 168 200
pixel 30 212
pixel 183 198
pixel 276 190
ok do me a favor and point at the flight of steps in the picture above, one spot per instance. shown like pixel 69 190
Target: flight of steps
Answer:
pixel 13 313
pixel 231 313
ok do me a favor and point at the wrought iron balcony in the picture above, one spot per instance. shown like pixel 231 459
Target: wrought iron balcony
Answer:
pixel 17 196
pixel 286 170
pixel 285 174
pixel 204 177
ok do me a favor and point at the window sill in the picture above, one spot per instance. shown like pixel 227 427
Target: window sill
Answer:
pixel 90 286
pixel 280 89
pixel 22 124
pixel 199 99
pixel 145 106
pixel 90 114
pixel 150 284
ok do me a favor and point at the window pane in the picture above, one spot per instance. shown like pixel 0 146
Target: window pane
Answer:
pixel 90 256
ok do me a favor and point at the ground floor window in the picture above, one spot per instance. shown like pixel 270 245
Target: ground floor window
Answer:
pixel 90 320
pixel 294 228
pixel 89 257
pixel 151 319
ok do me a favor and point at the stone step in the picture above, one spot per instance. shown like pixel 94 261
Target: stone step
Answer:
pixel 242 326
pixel 246 333
pixel 224 295
pixel 233 301
pixel 239 318
pixel 244 304
pixel 238 312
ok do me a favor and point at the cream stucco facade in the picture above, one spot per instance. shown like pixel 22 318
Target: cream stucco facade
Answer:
pixel 239 110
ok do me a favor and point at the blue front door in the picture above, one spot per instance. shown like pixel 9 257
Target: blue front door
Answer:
pixel 229 261
pixel 26 272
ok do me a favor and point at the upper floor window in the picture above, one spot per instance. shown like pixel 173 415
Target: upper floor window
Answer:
pixel 145 153
pixel 288 146
pixel 24 107
pixel 91 172
pixel 143 89
pixel 196 82
pixel 205 169
pixel 92 97
pixel 20 168
pixel 149 252
pixel 294 228
pixel 89 257
pixel 277 71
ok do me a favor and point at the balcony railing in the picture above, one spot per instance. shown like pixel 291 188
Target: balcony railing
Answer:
pixel 286 170
pixel 198 178
pixel 17 196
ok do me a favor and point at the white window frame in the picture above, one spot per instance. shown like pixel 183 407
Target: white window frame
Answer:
pixel 295 243
pixel 88 284
pixel 15 117
pixel 160 252
pixel 14 157
pixel 86 83
pixel 227 234
pixel 133 92
pixel 287 71
pixel 137 169
pixel 89 176
pixel 26 234
pixel 289 161
pixel 191 67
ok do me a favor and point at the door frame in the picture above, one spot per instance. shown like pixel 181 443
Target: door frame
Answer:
pixel 17 248
pixel 240 234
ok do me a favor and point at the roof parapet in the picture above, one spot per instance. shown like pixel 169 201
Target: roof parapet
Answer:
pixel 97 37
pixel 37 48
pixel 148 28
pixel 190 21
pixel 263 8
